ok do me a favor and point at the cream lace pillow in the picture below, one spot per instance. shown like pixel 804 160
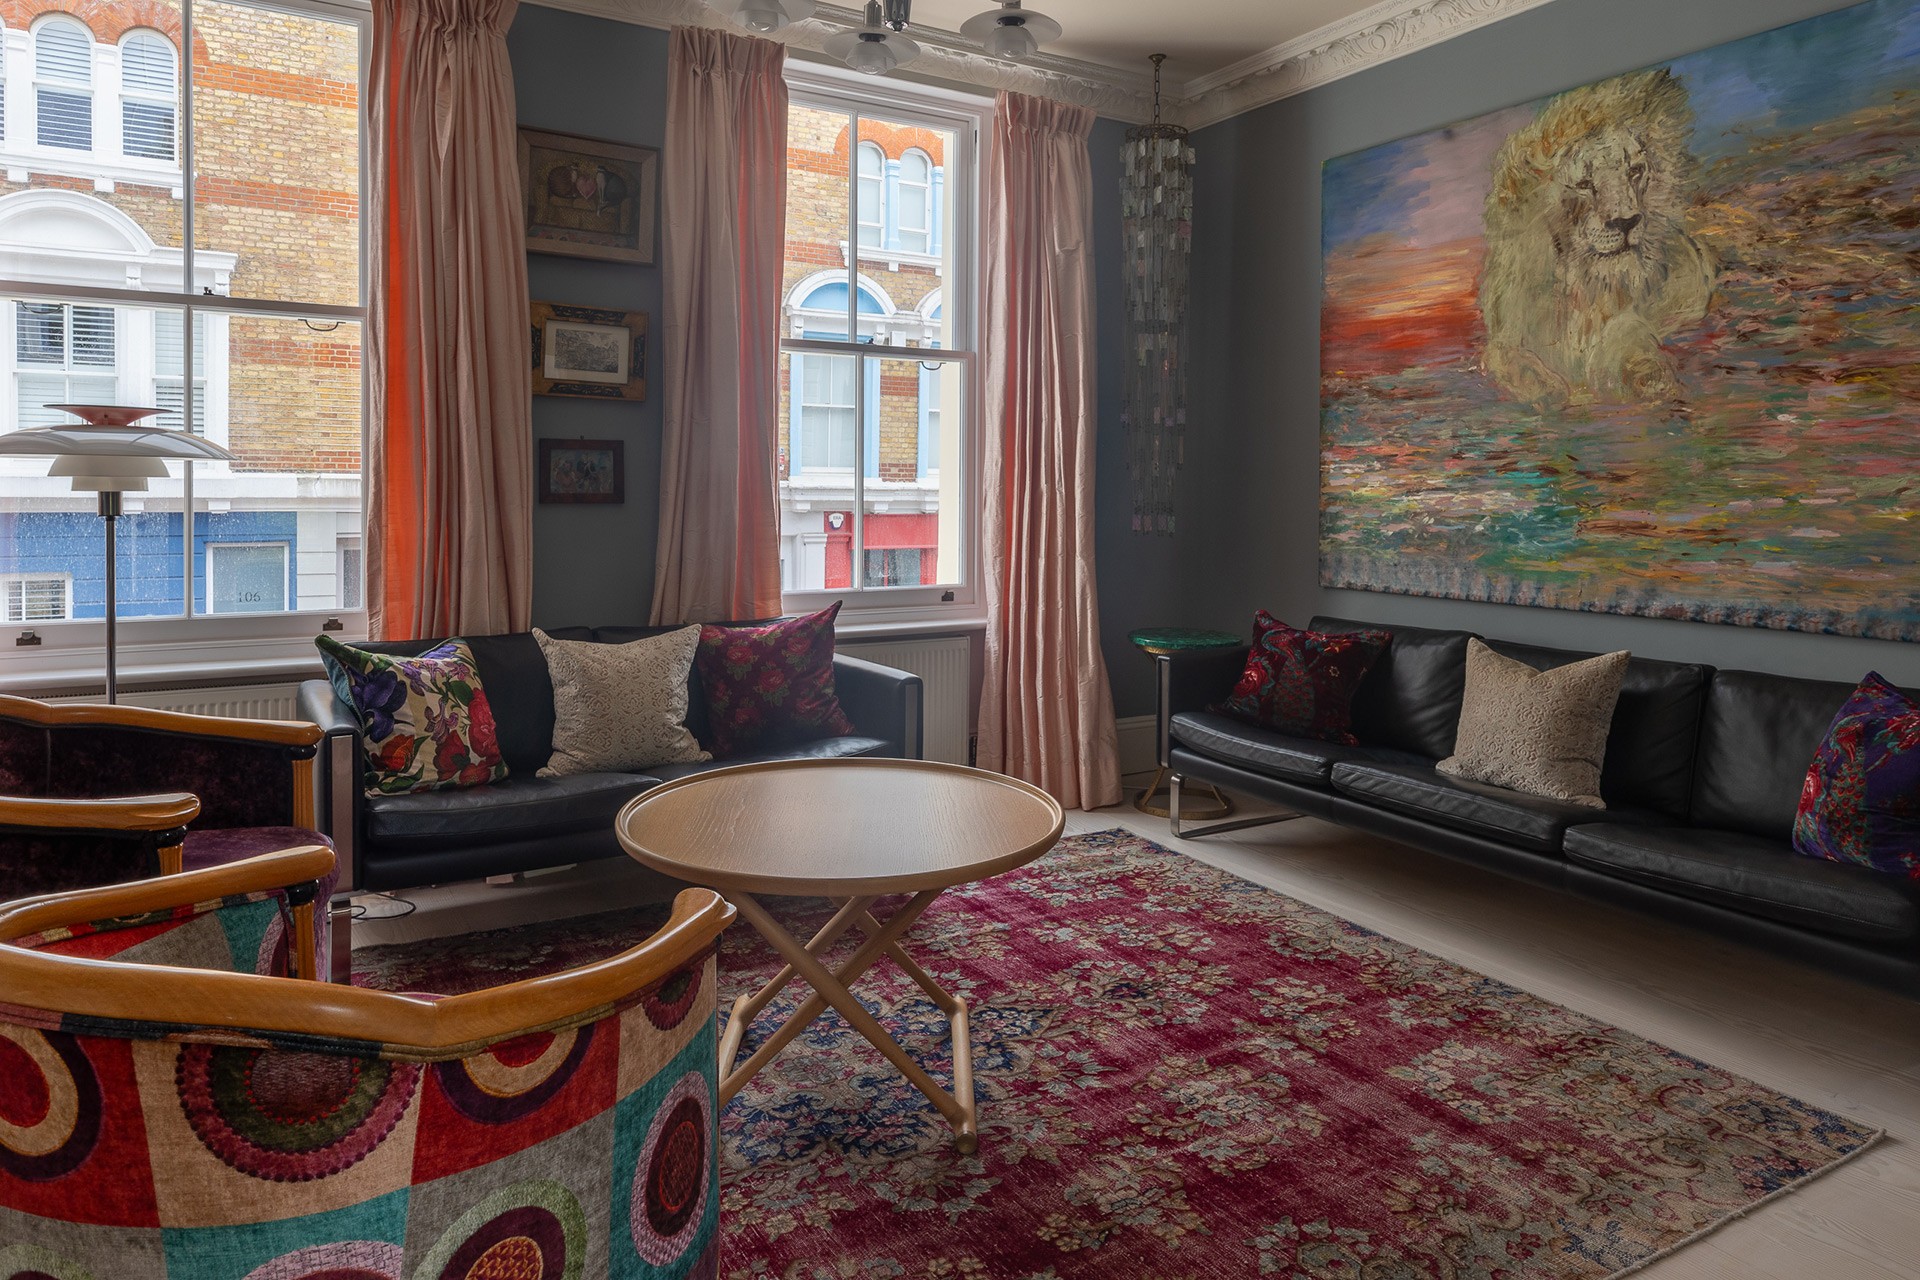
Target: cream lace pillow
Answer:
pixel 620 707
pixel 1542 732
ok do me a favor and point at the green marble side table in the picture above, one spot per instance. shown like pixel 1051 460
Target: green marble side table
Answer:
pixel 1155 642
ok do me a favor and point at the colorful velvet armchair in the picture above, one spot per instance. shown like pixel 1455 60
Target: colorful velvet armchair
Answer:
pixel 93 795
pixel 191 1124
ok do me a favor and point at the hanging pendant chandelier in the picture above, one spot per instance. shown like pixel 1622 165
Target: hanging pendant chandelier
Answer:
pixel 1156 211
pixel 880 45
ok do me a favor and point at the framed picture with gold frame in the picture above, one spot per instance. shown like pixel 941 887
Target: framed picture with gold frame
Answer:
pixel 589 198
pixel 595 353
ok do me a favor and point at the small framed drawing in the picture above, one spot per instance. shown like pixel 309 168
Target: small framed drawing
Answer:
pixel 592 352
pixel 583 471
pixel 587 198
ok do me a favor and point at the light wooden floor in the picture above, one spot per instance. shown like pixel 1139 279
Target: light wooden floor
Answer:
pixel 1835 1043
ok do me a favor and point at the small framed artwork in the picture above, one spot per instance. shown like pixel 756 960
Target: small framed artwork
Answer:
pixel 583 471
pixel 587 198
pixel 592 352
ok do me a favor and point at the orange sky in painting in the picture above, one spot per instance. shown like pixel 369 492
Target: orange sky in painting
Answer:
pixel 1388 308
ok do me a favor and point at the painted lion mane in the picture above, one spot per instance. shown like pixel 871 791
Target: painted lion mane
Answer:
pixel 1589 264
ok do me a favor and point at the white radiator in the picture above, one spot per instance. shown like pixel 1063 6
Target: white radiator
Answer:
pixel 246 702
pixel 945 668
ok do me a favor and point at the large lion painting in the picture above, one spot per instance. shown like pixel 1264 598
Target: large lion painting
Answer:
pixel 1649 346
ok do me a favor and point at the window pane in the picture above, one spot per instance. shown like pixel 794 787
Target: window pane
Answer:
pixel 146 130
pixel 279 169
pixel 247 577
pixel 40 330
pixel 291 414
pixel 146 65
pixel 66 120
pixel 911 534
pixel 63 51
pixel 93 337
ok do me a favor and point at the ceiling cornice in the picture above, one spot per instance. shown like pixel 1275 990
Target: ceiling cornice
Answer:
pixel 1380 33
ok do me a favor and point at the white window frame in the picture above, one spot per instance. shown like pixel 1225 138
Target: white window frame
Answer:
pixel 89 89
pixel 11 582
pixel 130 95
pixel 879 223
pixel 238 644
pixel 913 195
pixel 969 116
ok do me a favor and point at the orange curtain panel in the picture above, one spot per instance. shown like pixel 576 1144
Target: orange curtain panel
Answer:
pixel 1046 711
pixel 450 472
pixel 724 221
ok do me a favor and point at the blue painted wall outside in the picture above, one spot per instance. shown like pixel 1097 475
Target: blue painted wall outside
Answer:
pixel 150 580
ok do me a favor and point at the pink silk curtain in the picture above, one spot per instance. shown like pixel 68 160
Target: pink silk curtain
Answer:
pixel 1046 711
pixel 450 497
pixel 724 197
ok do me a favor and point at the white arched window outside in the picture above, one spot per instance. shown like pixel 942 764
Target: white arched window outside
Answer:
pixel 3 82
pixel 872 196
pixel 914 192
pixel 63 84
pixel 147 96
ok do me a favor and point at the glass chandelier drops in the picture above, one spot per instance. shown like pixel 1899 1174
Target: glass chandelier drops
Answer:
pixel 1156 210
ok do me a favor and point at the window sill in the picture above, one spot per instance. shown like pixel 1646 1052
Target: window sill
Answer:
pixel 71 681
pixel 888 630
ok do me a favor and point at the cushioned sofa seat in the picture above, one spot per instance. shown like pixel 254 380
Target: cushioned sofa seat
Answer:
pixel 1305 760
pixel 1530 822
pixel 1753 874
pixel 822 749
pixel 514 809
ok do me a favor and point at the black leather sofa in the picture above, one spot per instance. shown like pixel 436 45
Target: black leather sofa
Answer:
pixel 1702 775
pixel 525 822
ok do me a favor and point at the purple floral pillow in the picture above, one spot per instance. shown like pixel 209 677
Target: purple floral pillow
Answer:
pixel 772 686
pixel 1302 682
pixel 1861 800
pixel 425 722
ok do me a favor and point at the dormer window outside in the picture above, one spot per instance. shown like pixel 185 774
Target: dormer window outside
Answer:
pixel 63 84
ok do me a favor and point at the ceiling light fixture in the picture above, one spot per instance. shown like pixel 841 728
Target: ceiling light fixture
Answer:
pixel 765 17
pixel 1010 31
pixel 879 46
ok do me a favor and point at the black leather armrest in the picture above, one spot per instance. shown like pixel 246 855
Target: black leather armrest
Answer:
pixel 1193 682
pixel 882 702
pixel 338 799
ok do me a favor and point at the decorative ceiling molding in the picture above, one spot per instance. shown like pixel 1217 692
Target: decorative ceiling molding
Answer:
pixel 944 55
pixel 1380 33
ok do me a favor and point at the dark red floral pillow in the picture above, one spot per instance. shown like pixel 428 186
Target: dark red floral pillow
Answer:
pixel 770 687
pixel 1861 800
pixel 1302 682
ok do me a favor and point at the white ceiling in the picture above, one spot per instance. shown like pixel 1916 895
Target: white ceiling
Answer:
pixel 1198 36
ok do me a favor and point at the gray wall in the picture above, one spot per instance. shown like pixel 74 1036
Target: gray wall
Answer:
pixel 593 565
pixel 1249 505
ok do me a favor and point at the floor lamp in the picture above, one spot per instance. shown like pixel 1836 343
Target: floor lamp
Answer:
pixel 112 454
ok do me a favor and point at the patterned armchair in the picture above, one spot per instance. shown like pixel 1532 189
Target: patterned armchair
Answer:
pixel 189 1124
pixel 93 795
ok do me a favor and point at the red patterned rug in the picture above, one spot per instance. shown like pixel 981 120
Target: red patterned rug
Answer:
pixel 1182 1074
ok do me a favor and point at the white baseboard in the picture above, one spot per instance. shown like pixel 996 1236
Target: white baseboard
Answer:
pixel 1139 743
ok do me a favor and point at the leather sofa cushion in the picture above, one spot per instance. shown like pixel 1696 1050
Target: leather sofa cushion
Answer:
pixel 1756 740
pixel 821 749
pixel 514 674
pixel 1752 874
pixel 1306 760
pixel 1526 821
pixel 1410 700
pixel 1656 727
pixel 511 810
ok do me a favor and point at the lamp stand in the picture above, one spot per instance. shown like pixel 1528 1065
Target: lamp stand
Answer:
pixel 110 512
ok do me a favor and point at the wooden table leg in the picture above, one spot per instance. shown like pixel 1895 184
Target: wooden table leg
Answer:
pixel 830 989
pixel 748 1007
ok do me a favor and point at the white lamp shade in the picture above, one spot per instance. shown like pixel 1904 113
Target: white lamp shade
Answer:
pixel 871 52
pixel 764 17
pixel 111 442
pixel 95 473
pixel 1011 32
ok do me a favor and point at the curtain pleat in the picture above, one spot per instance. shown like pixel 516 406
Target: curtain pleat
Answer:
pixel 450 474
pixel 1046 710
pixel 724 203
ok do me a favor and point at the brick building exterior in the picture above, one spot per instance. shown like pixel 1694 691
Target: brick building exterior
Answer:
pixel 899 247
pixel 91 193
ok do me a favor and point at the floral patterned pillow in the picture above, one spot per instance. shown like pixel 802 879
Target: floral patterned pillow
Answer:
pixel 1861 800
pixel 425 722
pixel 770 687
pixel 1302 682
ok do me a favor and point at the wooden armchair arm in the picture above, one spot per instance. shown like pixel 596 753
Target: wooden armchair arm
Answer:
pixel 299 736
pixel 282 869
pixel 158 814
pixel 401 1026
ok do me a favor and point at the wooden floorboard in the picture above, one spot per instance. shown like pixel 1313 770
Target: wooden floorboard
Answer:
pixel 1836 1043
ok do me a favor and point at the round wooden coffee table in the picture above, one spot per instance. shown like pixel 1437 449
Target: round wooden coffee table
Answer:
pixel 853 831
